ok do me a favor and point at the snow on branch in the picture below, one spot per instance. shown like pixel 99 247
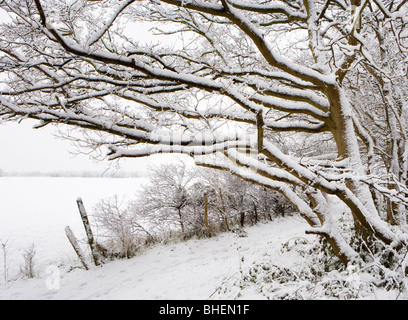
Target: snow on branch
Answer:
pixel 302 72
pixel 290 106
pixel 173 145
pixel 96 36
pixel 270 8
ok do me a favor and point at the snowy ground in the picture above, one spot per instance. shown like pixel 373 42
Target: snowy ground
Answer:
pixel 276 260
pixel 194 269
pixel 36 210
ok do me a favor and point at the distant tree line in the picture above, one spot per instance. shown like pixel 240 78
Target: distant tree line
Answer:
pixel 73 174
pixel 182 202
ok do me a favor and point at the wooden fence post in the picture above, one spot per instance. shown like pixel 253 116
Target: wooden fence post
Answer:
pixel 88 230
pixel 75 245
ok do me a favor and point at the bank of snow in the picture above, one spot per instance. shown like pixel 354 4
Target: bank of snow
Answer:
pixel 195 269
pixel 276 260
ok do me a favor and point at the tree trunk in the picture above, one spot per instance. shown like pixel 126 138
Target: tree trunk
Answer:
pixel 329 231
pixel 343 130
pixel 183 231
pixel 207 226
pixel 224 210
pixel 242 218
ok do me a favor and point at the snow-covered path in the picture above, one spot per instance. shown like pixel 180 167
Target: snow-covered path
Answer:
pixel 188 270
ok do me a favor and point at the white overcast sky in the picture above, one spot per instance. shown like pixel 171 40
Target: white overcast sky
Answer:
pixel 23 148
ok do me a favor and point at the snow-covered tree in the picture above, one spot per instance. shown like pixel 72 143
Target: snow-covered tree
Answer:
pixel 165 200
pixel 240 201
pixel 237 85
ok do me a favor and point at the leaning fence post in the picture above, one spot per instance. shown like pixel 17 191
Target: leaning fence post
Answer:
pixel 88 230
pixel 75 245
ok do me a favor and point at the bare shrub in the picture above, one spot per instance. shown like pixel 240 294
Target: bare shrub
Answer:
pixel 28 269
pixel 120 227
